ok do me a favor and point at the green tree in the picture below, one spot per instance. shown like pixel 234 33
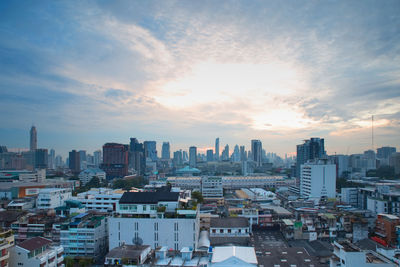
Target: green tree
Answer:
pixel 198 196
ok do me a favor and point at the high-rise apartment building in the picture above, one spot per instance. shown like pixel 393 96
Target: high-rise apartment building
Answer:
pixel 318 179
pixel 217 149
pixel 74 162
pixel 310 150
pixel 256 152
pixel 33 139
pixel 165 151
pixel 115 160
pixel 83 159
pixel 192 156
pixel 385 152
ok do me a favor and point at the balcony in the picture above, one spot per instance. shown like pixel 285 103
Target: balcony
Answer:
pixel 4 257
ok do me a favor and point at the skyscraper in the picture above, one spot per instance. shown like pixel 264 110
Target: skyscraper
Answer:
pixel 115 160
pixel 256 148
pixel 52 158
pixel 41 158
pixel 236 154
pixel 192 156
pixel 310 150
pixel 217 149
pixel 150 150
pixel 97 158
pixel 82 158
pixel 137 159
pixel 74 162
pixel 210 155
pixel 165 151
pixel 33 139
pixel 178 158
pixel 243 156
pixel 225 153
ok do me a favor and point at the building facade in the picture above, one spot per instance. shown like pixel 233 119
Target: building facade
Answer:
pixel 318 179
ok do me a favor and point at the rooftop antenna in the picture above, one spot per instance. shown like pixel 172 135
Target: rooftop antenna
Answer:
pixel 372 128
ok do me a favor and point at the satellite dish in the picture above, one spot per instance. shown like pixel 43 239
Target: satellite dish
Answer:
pixel 137 241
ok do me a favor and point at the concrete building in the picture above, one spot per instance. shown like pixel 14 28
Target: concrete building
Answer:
pixel 350 196
pixel 128 254
pixel 6 242
pixel 23 176
pixel 37 251
pixel 231 230
pixel 211 187
pixel 155 219
pixel 210 155
pixel 86 235
pixel 346 254
pixel 394 161
pixel 50 198
pixel 100 199
pixel 41 158
pixel 318 179
pixel 386 228
pixel 231 256
pixel 115 160
pixel 88 174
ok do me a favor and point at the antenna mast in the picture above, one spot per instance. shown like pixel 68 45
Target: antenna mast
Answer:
pixel 372 120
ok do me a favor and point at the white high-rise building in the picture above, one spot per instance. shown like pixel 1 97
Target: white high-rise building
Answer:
pixel 318 179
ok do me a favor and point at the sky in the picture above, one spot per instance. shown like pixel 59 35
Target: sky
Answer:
pixel 90 72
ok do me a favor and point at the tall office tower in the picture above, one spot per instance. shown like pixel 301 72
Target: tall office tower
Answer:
pixel 217 149
pixel 192 156
pixel 318 179
pixel 310 150
pixel 185 156
pixel 137 159
pixel 210 155
pixel 52 158
pixel 256 148
pixel 74 162
pixel 236 154
pixel 115 160
pixel 178 159
pixel 243 156
pixel 82 158
pixel 58 162
pixel 150 150
pixel 33 140
pixel 370 159
pixel 383 154
pixel 165 151
pixel 41 157
pixel 97 158
pixel 225 153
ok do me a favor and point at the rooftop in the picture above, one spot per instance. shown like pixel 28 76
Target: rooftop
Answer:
pixel 148 197
pixel 35 243
pixel 246 254
pixel 126 251
pixel 230 222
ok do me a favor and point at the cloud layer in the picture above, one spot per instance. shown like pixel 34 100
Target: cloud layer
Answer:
pixel 190 71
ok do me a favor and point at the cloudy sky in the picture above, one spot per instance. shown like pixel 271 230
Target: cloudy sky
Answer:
pixel 89 72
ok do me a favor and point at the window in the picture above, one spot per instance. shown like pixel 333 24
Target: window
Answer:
pixel 221 231
pixel 144 207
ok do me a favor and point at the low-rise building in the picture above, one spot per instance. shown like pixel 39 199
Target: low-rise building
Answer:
pixel 128 255
pixel 156 219
pixel 347 254
pixel 50 198
pixel 37 251
pixel 386 228
pixel 232 230
pixel 211 187
pixel 100 199
pixel 234 256
pixel 85 235
pixel 6 242
pixel 86 175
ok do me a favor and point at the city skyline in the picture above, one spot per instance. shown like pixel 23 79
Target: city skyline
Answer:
pixel 186 72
